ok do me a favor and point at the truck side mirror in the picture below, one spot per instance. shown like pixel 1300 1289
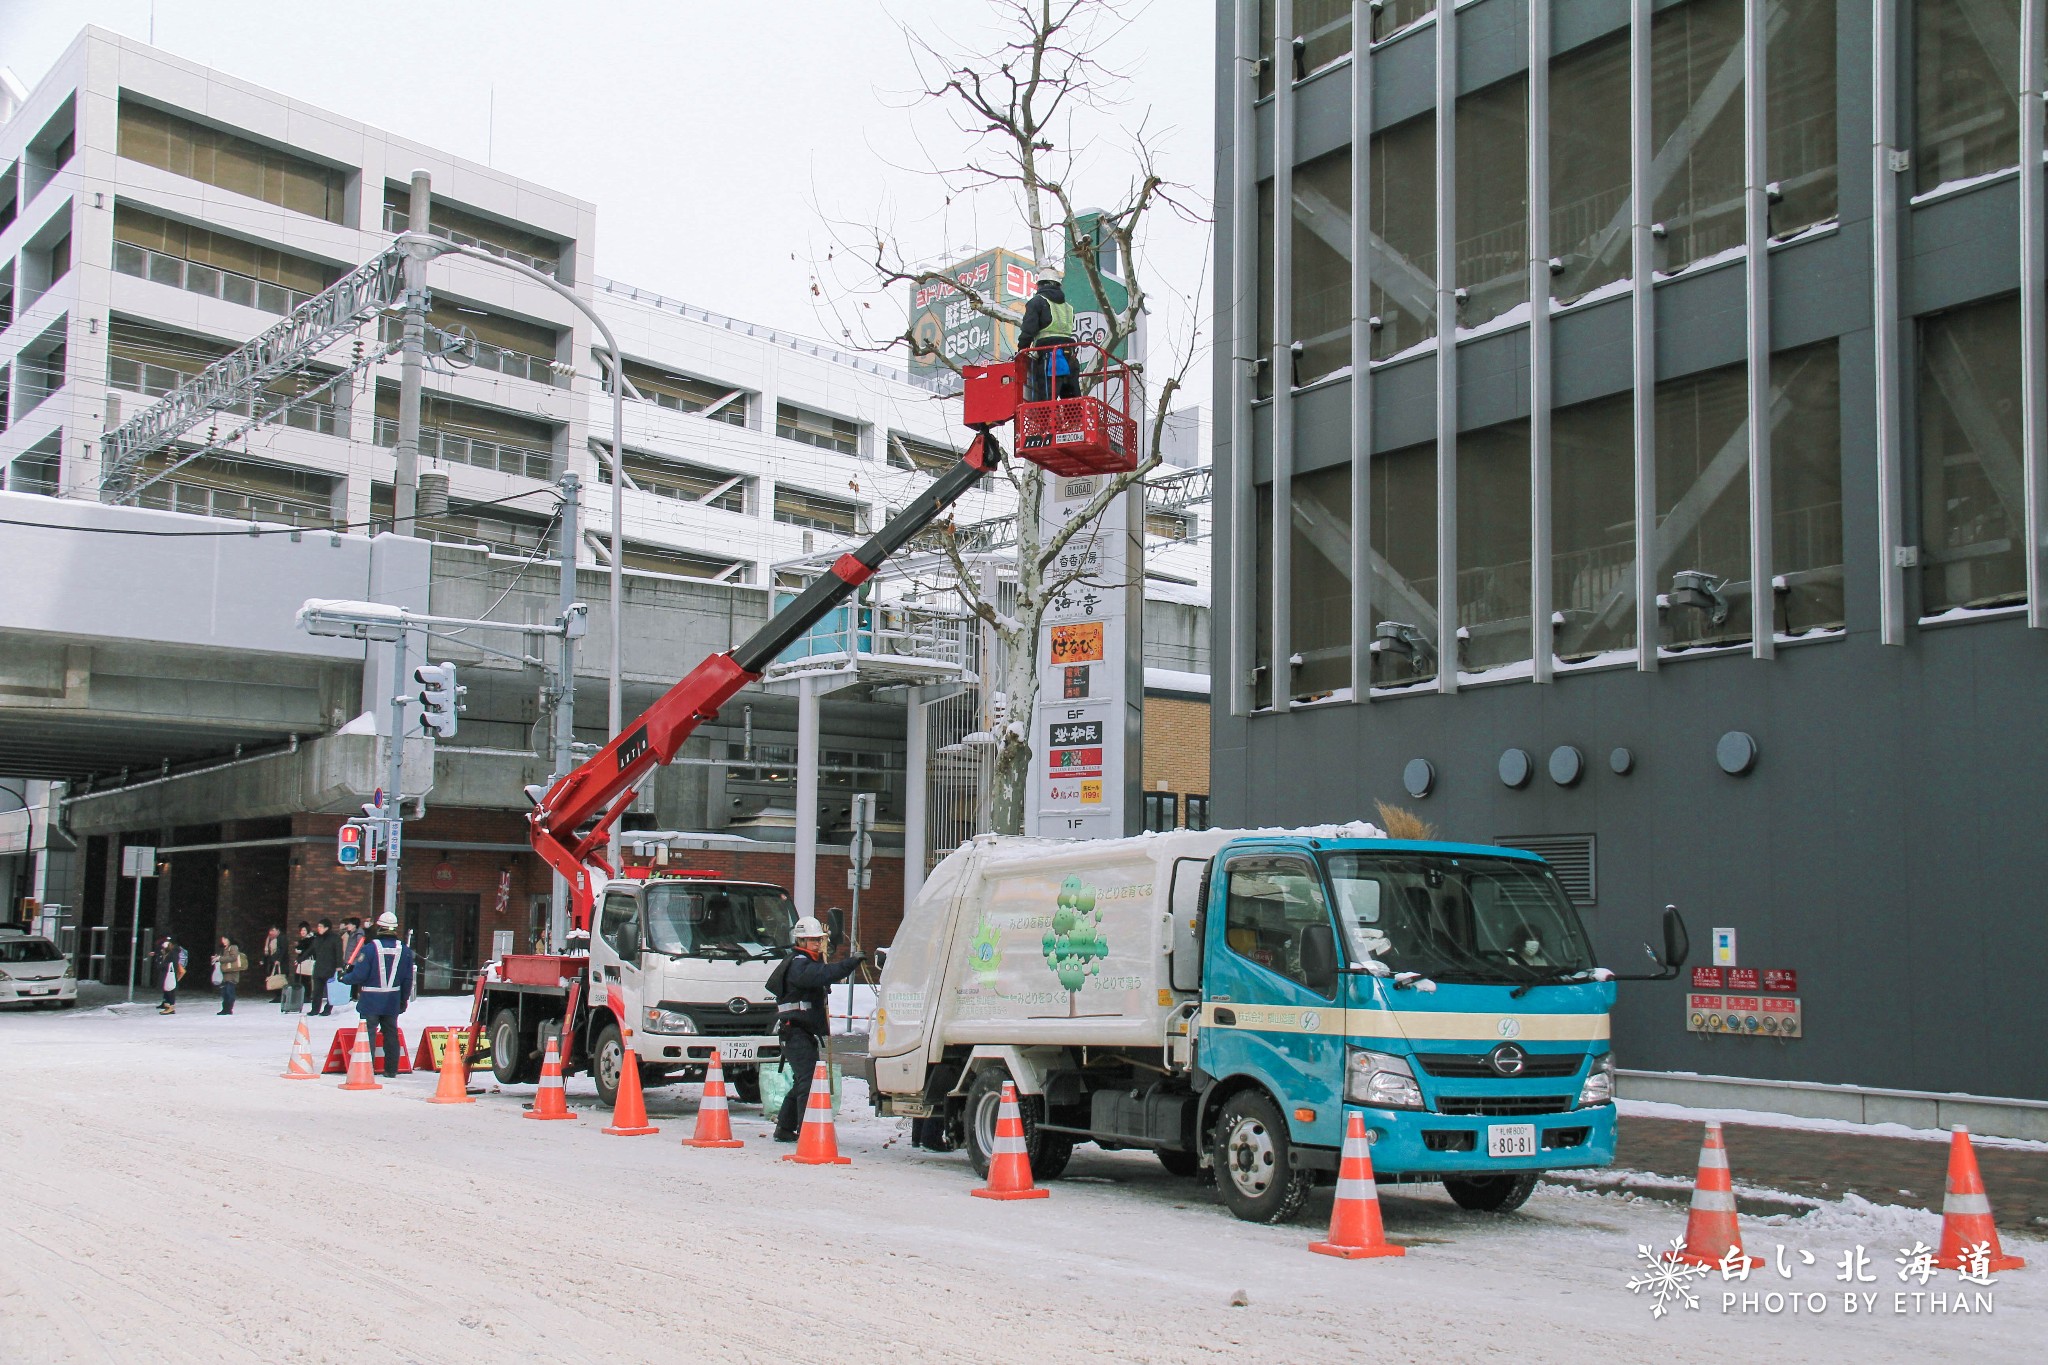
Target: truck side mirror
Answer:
pixel 1319 958
pixel 836 922
pixel 1677 943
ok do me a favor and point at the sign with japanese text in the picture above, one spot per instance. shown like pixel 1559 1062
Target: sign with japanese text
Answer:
pixel 944 316
pixel 1783 980
pixel 1077 643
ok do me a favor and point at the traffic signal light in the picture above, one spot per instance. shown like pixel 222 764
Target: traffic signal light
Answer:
pixel 440 699
pixel 350 846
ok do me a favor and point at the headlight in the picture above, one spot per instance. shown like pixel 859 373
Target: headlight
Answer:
pixel 1599 1086
pixel 669 1021
pixel 1380 1079
pixel 5 977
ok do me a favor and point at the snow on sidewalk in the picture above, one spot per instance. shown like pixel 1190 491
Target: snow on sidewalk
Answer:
pixel 174 1201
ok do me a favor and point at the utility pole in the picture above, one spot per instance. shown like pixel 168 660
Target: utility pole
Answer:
pixel 394 773
pixel 565 684
pixel 405 482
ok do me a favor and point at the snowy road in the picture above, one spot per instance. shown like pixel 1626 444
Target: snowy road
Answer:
pixel 168 1198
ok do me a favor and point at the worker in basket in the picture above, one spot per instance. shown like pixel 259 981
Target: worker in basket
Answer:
pixel 1047 336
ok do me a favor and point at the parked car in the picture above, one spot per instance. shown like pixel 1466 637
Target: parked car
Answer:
pixel 34 972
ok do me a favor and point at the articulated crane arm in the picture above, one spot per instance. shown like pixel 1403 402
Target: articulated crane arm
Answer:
pixel 572 823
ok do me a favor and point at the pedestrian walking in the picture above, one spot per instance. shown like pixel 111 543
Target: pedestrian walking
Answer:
pixel 167 969
pixel 800 984
pixel 324 952
pixel 277 971
pixel 229 962
pixel 382 973
pixel 352 939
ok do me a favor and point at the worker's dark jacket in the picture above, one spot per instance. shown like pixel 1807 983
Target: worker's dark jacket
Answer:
pixel 801 1001
pixel 1038 313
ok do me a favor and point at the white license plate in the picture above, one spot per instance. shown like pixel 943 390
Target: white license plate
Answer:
pixel 738 1052
pixel 1511 1139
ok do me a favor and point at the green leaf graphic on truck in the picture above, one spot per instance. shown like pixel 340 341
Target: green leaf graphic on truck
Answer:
pixel 1074 946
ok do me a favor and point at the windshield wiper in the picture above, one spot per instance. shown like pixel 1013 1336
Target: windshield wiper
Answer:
pixel 1556 978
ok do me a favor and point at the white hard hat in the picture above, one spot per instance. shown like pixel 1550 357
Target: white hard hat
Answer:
pixel 387 920
pixel 808 927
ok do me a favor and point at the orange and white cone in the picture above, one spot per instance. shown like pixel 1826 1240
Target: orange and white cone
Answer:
pixel 1966 1214
pixel 1009 1166
pixel 454 1086
pixel 629 1106
pixel 1711 1232
pixel 818 1143
pixel 1356 1233
pixel 714 1121
pixel 300 1065
pixel 360 1076
pixel 552 1102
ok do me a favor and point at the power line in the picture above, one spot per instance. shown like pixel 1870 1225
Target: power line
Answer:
pixel 254 529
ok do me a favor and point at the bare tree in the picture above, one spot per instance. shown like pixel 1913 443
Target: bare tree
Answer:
pixel 1043 76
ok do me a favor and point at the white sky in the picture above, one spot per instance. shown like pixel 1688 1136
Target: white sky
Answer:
pixel 721 142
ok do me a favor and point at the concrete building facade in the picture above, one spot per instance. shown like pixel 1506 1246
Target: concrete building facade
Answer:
pixel 1717 574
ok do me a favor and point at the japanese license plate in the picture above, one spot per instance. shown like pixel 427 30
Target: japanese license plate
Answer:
pixel 1511 1139
pixel 739 1052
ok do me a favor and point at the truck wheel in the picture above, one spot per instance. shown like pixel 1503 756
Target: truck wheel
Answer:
pixel 1047 1152
pixel 746 1085
pixel 1491 1193
pixel 509 1060
pixel 607 1059
pixel 1255 1167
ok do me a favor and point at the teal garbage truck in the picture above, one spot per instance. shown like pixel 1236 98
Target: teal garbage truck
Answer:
pixel 1226 998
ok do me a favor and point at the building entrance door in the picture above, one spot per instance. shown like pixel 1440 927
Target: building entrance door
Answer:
pixel 444 930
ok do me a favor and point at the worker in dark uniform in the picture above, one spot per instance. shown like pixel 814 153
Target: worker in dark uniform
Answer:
pixel 1049 322
pixel 800 1018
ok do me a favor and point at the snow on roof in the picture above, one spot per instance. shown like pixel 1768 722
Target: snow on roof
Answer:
pixel 1176 680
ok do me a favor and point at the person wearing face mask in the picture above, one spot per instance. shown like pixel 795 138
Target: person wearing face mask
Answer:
pixel 1527 945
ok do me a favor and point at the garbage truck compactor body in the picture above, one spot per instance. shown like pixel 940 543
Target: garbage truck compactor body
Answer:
pixel 1226 998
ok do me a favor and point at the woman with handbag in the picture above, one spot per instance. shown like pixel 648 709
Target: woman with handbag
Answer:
pixel 228 965
pixel 167 968
pixel 302 966
pixel 276 972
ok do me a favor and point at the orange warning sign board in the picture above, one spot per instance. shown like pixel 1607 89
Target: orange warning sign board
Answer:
pixel 1078 643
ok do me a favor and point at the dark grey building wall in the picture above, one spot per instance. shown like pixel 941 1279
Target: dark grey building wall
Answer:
pixel 1889 844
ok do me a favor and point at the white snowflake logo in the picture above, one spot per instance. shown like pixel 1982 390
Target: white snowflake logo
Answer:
pixel 1668 1279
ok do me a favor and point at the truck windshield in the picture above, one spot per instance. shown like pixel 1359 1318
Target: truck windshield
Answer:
pixel 1457 918
pixel 698 920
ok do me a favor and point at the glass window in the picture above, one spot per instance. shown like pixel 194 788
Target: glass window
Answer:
pixel 1322 34
pixel 1198 812
pixel 1162 811
pixel 1262 305
pixel 1696 127
pixel 1972 485
pixel 1319 598
pixel 820 429
pixel 1799 155
pixel 798 507
pixel 1806 488
pixel 23 950
pixel 1703 509
pixel 1391 16
pixel 920 456
pixel 1404 566
pixel 1457 919
pixel 1267 20
pixel 178 145
pixel 1403 238
pixel 1262 599
pixel 619 925
pixel 1589 200
pixel 1965 89
pixel 1493 201
pixel 746 923
pixel 1271 902
pixel 1593 527
pixel 1321 280
pixel 1493 546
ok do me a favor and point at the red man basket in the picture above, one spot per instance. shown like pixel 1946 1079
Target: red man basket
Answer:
pixel 1081 421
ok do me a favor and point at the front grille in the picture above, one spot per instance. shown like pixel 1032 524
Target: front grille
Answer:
pixel 1554 1138
pixel 1449 1139
pixel 1538 1066
pixel 719 1022
pixel 1499 1106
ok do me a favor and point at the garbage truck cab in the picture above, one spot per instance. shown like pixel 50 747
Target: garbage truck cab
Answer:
pixel 1228 999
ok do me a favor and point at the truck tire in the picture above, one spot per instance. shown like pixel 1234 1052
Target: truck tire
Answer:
pixel 511 1059
pixel 1187 1165
pixel 1491 1193
pixel 1255 1170
pixel 607 1058
pixel 1047 1152
pixel 745 1085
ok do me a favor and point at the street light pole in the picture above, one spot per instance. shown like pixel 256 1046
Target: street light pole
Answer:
pixel 405 481
pixel 565 698
pixel 394 774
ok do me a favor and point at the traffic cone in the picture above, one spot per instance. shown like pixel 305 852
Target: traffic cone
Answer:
pixel 714 1123
pixel 818 1143
pixel 552 1102
pixel 454 1086
pixel 1966 1213
pixel 300 1066
pixel 360 1076
pixel 1009 1167
pixel 1711 1232
pixel 629 1106
pixel 1356 1233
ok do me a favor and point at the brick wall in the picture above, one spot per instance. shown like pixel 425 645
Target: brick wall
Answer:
pixel 1177 748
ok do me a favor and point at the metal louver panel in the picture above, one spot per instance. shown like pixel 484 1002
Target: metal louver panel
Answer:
pixel 1569 855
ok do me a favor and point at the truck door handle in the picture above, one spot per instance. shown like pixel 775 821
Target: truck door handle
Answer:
pixel 1226 1017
